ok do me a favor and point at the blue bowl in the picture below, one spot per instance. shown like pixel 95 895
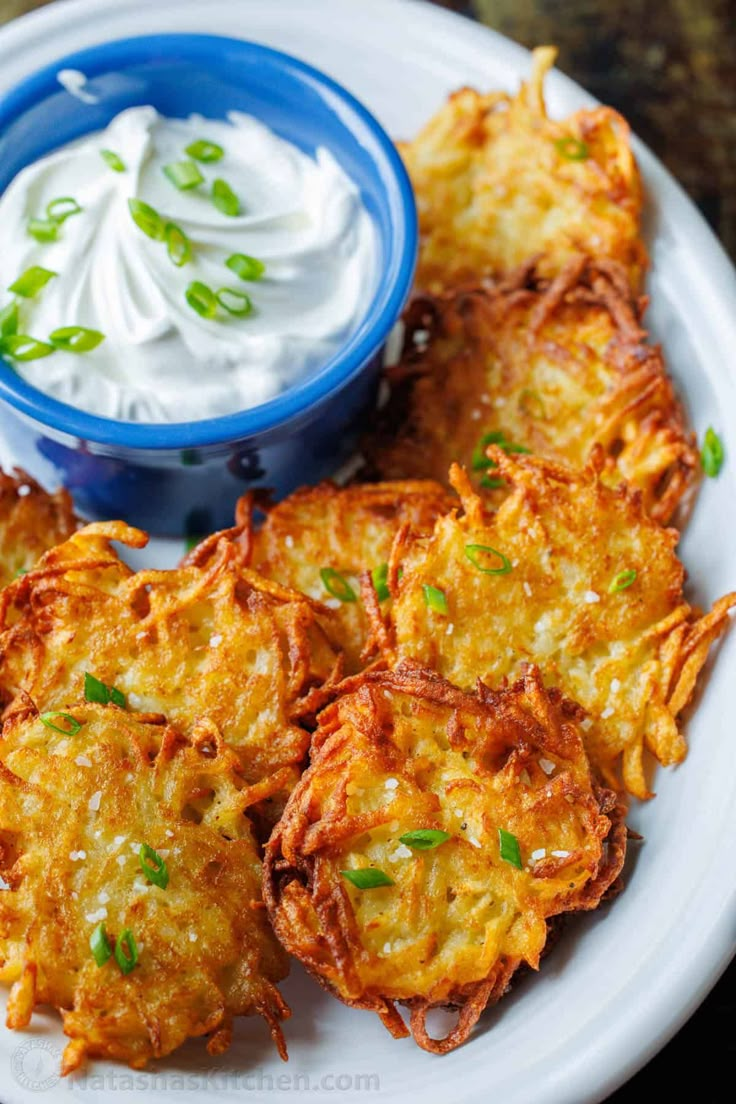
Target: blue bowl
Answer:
pixel 184 478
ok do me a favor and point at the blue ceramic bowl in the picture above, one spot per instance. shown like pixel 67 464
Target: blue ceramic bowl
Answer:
pixel 184 478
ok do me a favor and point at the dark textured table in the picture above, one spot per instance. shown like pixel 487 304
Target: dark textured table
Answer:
pixel 670 68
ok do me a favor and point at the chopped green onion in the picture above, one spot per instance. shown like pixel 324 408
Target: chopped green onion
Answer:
pixel 201 299
pixel 73 725
pixel 424 839
pixel 31 281
pixel 147 219
pixel 21 571
pixel 337 585
pixel 59 210
pixel 153 866
pixel 76 339
pixel 379 575
pixel 234 302
pixel 491 483
pixel 184 175
pixel 101 693
pixel 178 245
pixel 247 268
pixel 712 454
pixel 509 847
pixel 9 320
pixel 532 404
pixel 43 230
pixel 225 199
pixel 193 541
pixel 622 581
pixel 435 599
pixel 205 151
pixel 480 461
pixel 126 951
pixel 367 878
pixel 99 944
pixel 572 149
pixel 474 552
pixel 111 158
pixel 23 347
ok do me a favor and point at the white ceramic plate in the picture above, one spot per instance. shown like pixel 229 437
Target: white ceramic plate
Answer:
pixel 622 982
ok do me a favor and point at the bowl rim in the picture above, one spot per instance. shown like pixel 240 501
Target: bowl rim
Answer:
pixel 298 400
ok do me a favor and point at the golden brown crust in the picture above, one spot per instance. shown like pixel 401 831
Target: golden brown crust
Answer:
pixel 404 750
pixel 213 641
pixel 631 657
pixel 75 808
pixel 494 186
pixel 31 521
pixel 558 367
pixel 349 530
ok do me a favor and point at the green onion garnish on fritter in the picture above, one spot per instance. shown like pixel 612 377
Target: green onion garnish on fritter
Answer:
pixel 367 878
pixel 509 848
pixel 488 560
pixel 572 149
pixel 101 693
pixel 424 839
pixel 379 577
pixel 434 598
pixel 622 581
pixel 126 951
pixel 70 726
pixel 153 866
pixel 337 585
pixel 99 944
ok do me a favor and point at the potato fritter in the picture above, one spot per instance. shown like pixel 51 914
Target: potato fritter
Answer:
pixel 78 802
pixel 497 182
pixel 550 368
pixel 211 641
pixel 321 539
pixel 31 521
pixel 573 576
pixel 480 812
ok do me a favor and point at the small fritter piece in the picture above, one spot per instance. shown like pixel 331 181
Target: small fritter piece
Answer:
pixel 481 811
pixel 549 368
pixel 80 795
pixel 498 182
pixel 573 576
pixel 31 521
pixel 320 540
pixel 211 641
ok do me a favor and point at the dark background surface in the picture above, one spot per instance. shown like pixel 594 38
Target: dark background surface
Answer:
pixel 670 67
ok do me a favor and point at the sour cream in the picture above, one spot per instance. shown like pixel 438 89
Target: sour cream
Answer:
pixel 160 360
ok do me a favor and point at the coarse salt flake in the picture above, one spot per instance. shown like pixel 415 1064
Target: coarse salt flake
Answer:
pixel 95 917
pixel 539 854
pixel 607 712
pixel 103 897
pixel 450 629
pixel 387 948
pixel 391 783
pixel 24 491
pixel 83 761
pixel 121 860
pixel 193 937
pixel 77 856
pixel 475 842
pixel 215 640
pixel 615 685
pixel 560 854
pixel 591 596
pixel 169 834
pixel 401 852
pixel 527 589
pixel 547 766
pixel 289 540
pixel 94 801
pixel 333 603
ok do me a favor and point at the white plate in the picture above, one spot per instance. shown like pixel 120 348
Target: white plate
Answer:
pixel 620 983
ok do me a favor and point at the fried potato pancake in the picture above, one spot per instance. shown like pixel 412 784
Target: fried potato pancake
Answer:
pixel 77 802
pixel 497 182
pixel 31 521
pixel 554 368
pixel 573 576
pixel 519 832
pixel 210 641
pixel 342 532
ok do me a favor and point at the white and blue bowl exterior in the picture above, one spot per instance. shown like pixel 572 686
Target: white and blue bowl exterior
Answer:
pixel 184 478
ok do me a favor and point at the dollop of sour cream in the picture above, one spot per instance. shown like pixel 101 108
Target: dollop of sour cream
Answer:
pixel 160 360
